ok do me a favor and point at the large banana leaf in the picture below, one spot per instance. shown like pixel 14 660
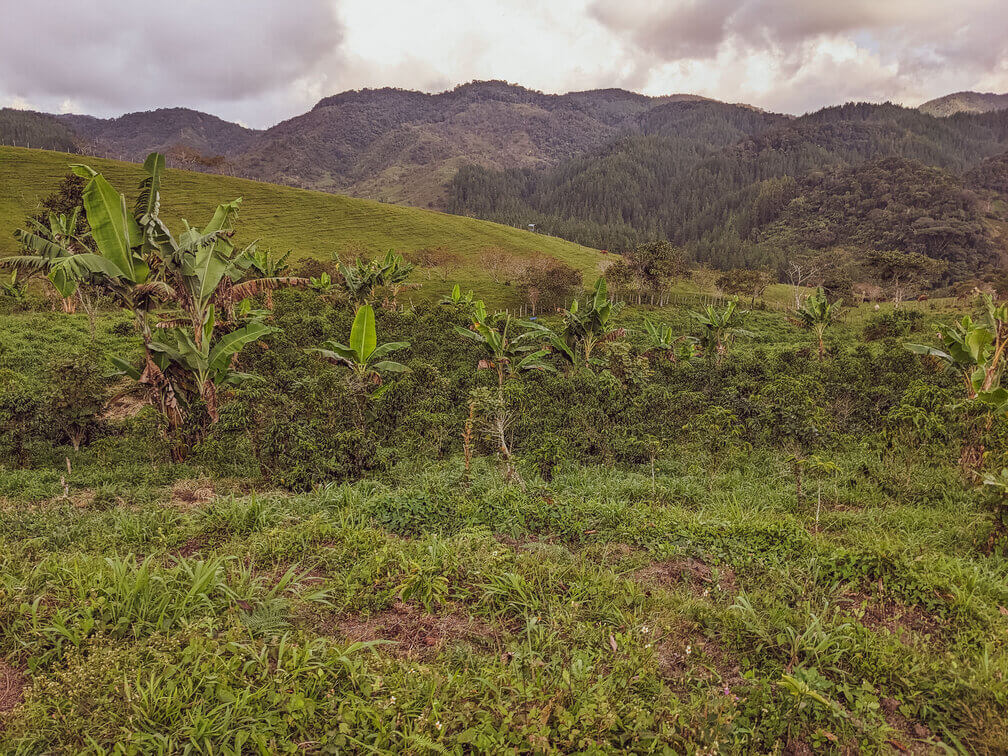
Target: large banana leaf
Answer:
pixel 363 338
pixel 388 348
pixel 209 269
pixel 113 229
pixel 148 202
pixel 224 217
pixel 388 366
pixel 234 342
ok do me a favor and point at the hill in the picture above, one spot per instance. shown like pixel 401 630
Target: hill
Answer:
pixel 311 224
pixel 965 102
pixel 26 128
pixel 180 130
pixel 712 175
pixel 388 144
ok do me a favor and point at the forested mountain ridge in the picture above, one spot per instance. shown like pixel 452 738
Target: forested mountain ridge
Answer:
pixel 134 135
pixel 606 168
pixel 715 193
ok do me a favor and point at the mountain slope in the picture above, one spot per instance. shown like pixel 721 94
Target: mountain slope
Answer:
pixel 134 135
pixel 26 128
pixel 710 177
pixel 404 146
pixel 965 102
pixel 311 224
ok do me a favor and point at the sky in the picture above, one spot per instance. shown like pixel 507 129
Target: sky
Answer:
pixel 259 61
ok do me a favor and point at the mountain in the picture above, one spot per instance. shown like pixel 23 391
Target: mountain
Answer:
pixel 186 134
pixel 712 177
pixel 405 146
pixel 965 102
pixel 389 144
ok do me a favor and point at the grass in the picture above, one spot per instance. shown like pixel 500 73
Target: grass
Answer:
pixel 593 615
pixel 703 610
pixel 312 224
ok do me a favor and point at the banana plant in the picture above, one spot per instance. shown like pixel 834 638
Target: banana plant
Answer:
pixel 14 289
pixel 268 265
pixel 661 339
pixel 323 284
pixel 584 328
pixel 363 278
pixel 720 328
pixel 48 243
pixel 817 314
pixel 364 356
pixel 976 350
pixel 459 302
pixel 197 368
pixel 199 278
pixel 503 353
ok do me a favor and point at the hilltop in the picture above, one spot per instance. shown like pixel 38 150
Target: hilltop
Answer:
pixel 311 224
pixel 965 102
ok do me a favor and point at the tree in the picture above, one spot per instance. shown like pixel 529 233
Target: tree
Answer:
pixel 817 314
pixel 78 398
pixel 651 268
pixel 545 281
pixel 903 274
pixel 744 282
pixel 444 260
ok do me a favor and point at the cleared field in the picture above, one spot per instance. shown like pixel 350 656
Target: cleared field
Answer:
pixel 312 224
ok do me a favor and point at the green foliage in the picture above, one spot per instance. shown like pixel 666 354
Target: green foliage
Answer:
pixel 817 314
pixel 720 328
pixel 78 398
pixel 364 355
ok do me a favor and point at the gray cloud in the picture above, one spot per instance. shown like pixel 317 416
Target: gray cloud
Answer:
pixel 260 61
pixel 117 55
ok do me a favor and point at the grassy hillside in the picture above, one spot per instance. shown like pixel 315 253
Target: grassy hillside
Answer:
pixel 312 224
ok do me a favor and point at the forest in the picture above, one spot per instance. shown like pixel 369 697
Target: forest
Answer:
pixel 711 177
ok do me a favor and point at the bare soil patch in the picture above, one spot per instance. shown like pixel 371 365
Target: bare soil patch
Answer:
pixel 914 738
pixel 122 407
pixel 191 493
pixel 689 572
pixel 903 621
pixel 12 687
pixel 414 633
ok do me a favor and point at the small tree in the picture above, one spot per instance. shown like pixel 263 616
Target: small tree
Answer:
pixel 744 282
pixel 817 314
pixel 903 274
pixel 544 282
pixel 78 398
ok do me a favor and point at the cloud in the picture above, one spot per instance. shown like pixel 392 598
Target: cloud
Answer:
pixel 116 55
pixel 259 61
pixel 801 55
